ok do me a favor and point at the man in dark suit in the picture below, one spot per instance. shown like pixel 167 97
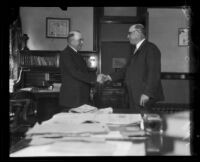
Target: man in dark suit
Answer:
pixel 75 76
pixel 142 72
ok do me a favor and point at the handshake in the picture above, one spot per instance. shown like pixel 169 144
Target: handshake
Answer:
pixel 102 78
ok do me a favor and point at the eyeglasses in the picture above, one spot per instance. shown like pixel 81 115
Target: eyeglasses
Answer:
pixel 80 40
pixel 129 33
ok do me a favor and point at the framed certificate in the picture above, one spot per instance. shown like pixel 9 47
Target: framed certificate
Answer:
pixel 183 36
pixel 57 27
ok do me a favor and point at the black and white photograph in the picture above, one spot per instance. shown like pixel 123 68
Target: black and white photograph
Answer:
pixel 101 81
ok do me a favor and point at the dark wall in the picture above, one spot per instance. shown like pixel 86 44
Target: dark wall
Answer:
pixel 14 14
pixel 176 91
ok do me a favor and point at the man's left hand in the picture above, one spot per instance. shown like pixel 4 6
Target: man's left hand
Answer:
pixel 144 99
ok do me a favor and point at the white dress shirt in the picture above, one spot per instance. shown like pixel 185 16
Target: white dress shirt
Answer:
pixel 73 49
pixel 138 45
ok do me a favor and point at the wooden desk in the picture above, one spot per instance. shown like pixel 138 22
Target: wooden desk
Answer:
pixel 168 143
pixel 47 104
pixel 109 147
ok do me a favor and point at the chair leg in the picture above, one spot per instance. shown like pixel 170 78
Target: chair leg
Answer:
pixel 25 110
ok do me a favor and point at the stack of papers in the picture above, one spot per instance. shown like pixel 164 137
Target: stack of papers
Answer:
pixel 84 109
pixel 81 127
pixel 90 109
pixel 178 125
pixel 66 129
pixel 62 129
pixel 110 119
pixel 29 89
pixel 69 134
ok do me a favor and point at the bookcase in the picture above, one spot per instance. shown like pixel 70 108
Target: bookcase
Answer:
pixel 39 67
pixel 42 67
pixel 39 59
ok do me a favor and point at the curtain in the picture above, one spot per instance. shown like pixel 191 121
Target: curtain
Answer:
pixel 15 45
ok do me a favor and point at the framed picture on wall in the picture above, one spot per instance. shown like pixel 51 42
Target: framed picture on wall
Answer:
pixel 183 36
pixel 57 27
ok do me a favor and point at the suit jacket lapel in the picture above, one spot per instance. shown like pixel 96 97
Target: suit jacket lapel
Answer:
pixel 139 49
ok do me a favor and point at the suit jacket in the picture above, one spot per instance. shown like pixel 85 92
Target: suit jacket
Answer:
pixel 76 79
pixel 142 73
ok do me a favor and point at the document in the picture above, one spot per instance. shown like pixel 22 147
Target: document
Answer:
pixel 91 109
pixel 112 119
pixel 84 109
pixel 83 134
pixel 66 129
pixel 178 125
pixel 118 119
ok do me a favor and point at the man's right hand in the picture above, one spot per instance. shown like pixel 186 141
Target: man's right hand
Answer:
pixel 101 78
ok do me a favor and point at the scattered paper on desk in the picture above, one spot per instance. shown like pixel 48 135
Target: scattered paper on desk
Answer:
pixel 118 119
pixel 91 109
pixel 84 109
pixel 65 134
pixel 108 110
pixel 38 140
pixel 178 125
pixel 138 133
pixel 111 135
pixel 67 128
pixel 115 119
pixel 71 118
pixel 180 115
pixel 27 89
pixel 42 140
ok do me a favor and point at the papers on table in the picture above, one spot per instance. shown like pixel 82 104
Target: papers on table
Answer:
pixel 90 109
pixel 52 131
pixel 65 125
pixel 119 119
pixel 178 125
pixel 68 134
pixel 84 109
pixel 65 129
pixel 29 89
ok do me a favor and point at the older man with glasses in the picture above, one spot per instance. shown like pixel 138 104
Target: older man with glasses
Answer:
pixel 142 72
pixel 76 78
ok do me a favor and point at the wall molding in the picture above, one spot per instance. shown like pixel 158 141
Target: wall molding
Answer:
pixel 177 76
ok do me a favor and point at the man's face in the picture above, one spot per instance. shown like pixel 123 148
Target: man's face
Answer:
pixel 133 36
pixel 77 41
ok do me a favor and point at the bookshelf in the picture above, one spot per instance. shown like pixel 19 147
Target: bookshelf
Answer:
pixel 38 59
pixel 43 66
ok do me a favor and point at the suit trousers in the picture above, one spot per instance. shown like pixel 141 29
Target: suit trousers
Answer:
pixel 136 108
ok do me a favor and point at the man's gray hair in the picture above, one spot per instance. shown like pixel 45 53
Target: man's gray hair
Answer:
pixel 141 28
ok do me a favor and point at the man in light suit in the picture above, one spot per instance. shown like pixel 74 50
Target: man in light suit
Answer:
pixel 142 72
pixel 75 75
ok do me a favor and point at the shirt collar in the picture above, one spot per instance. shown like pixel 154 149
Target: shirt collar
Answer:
pixel 73 49
pixel 139 43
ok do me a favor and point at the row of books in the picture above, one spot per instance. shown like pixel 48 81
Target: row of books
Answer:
pixel 50 61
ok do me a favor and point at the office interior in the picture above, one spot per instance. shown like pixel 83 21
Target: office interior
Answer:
pixel 34 58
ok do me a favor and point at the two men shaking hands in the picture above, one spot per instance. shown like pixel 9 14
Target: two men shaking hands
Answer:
pixel 102 78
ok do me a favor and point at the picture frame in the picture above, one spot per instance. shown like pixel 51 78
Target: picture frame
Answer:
pixel 57 27
pixel 183 36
